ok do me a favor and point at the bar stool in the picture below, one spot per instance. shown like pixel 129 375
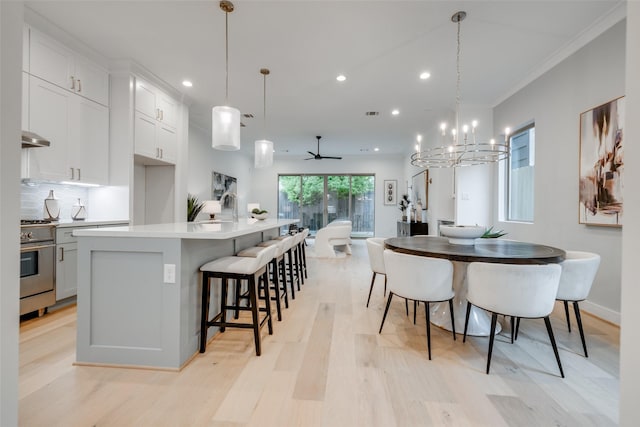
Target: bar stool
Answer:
pixel 303 250
pixel 239 269
pixel 297 249
pixel 280 291
pixel 288 264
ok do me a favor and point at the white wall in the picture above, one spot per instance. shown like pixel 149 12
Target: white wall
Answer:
pixel 11 14
pixel 593 75
pixel 203 160
pixel 629 345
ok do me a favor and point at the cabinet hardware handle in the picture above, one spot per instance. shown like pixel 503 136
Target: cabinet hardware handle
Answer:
pixel 73 83
pixel 162 153
pixel 72 174
pixel 61 254
pixel 161 114
pixel 157 114
pixel 79 86
pixel 79 174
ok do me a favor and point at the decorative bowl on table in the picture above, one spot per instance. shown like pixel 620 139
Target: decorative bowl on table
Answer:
pixel 260 216
pixel 462 234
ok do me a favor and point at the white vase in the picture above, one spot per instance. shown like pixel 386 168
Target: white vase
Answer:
pixel 51 207
pixel 78 211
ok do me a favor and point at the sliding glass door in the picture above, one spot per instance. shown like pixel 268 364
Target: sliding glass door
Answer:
pixel 319 199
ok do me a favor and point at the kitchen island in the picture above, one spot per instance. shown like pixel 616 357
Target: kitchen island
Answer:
pixel 139 288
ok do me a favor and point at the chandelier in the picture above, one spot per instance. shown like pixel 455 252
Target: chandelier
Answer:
pixel 463 149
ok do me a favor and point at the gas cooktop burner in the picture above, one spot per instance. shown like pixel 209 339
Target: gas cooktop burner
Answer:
pixel 35 221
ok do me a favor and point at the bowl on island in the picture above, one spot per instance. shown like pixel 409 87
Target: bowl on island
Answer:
pixel 260 216
pixel 462 234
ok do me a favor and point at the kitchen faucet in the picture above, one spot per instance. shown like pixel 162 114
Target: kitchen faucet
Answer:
pixel 234 207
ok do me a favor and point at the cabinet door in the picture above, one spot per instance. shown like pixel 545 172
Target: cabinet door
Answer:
pixel 66 270
pixel 146 99
pixel 167 141
pixel 92 81
pixel 89 148
pixel 50 60
pixel 25 48
pixel 145 136
pixel 25 101
pixel 168 109
pixel 49 116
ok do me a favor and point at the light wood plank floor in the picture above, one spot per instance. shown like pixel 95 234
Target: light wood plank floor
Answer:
pixel 326 365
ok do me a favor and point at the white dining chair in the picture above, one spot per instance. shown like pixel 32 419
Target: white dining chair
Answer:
pixel 422 279
pixel 578 272
pixel 527 291
pixel 375 248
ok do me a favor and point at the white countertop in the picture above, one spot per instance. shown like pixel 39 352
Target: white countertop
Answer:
pixel 215 229
pixel 89 222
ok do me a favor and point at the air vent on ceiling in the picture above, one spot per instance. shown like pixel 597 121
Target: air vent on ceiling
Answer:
pixel 242 125
pixel 372 113
pixel 248 115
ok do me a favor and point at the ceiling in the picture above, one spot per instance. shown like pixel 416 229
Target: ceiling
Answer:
pixel 380 46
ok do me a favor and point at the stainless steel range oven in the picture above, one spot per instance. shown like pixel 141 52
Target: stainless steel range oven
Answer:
pixel 37 266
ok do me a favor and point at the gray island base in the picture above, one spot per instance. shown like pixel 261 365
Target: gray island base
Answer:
pixel 139 288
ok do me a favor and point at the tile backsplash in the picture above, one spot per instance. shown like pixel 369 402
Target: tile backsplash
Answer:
pixel 33 195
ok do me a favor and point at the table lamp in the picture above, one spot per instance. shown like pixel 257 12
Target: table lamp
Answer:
pixel 212 207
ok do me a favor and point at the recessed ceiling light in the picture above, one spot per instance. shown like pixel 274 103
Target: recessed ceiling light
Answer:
pixel 425 75
pixel 376 149
pixel 187 83
pixel 395 112
pixel 341 77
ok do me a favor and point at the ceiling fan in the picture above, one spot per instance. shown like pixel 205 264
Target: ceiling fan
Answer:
pixel 318 156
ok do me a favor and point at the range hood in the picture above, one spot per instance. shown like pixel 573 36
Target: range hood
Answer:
pixel 30 140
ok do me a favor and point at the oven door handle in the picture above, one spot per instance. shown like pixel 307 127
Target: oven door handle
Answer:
pixel 35 248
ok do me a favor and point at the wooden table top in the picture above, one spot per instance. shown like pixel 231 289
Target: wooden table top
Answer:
pixel 493 250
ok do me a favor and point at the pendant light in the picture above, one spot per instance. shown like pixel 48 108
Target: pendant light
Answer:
pixel 264 147
pixel 225 120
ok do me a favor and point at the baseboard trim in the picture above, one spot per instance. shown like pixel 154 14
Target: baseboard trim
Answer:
pixel 600 312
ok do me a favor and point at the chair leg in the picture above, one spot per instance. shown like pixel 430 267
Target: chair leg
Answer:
pixel 406 306
pixel 277 292
pixel 492 335
pixel 267 300
pixel 513 326
pixel 426 309
pixel 223 303
pixel 385 285
pixel 373 279
pixel 291 281
pixel 304 259
pixel 547 322
pixel 415 310
pixel 466 322
pixel 453 320
pixel 517 328
pixel 576 310
pixel 253 300
pixel 238 291
pixel 386 310
pixel 204 320
pixel 566 312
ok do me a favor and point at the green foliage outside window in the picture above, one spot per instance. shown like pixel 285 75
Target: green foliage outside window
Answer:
pixel 313 188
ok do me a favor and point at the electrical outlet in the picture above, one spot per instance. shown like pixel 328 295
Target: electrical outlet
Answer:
pixel 169 273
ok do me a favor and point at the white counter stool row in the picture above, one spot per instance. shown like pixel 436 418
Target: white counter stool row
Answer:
pixel 249 269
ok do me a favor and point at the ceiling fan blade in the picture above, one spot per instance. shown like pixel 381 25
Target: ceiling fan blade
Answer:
pixel 309 158
pixel 313 154
pixel 331 157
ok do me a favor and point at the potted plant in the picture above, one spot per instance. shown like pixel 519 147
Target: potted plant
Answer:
pixel 404 205
pixel 193 207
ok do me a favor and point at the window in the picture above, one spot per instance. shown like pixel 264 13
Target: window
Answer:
pixel 320 199
pixel 520 174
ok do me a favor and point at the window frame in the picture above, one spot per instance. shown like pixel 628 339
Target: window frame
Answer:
pixel 507 174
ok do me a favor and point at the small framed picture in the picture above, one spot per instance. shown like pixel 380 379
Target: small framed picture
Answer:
pixel 390 192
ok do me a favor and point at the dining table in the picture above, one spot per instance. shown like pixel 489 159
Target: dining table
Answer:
pixel 501 251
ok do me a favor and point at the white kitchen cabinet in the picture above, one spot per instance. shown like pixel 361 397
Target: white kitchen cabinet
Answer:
pixel 155 136
pixel 66 270
pixel 25 101
pixel 78 129
pixel 57 64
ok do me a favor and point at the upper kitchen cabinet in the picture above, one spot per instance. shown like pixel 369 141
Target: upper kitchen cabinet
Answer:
pixel 155 136
pixel 57 64
pixel 78 129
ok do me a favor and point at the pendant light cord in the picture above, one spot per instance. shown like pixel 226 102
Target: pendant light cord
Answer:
pixel 226 47
pixel 264 105
pixel 458 83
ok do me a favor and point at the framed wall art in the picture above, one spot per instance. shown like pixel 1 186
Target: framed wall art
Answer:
pixel 602 164
pixel 420 189
pixel 221 183
pixel 390 192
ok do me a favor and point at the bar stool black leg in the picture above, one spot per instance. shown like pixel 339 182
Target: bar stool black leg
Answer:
pixel 267 301
pixel 223 303
pixel 253 300
pixel 204 321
